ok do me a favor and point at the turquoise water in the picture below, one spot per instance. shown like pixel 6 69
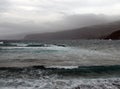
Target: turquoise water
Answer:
pixel 72 64
pixel 61 53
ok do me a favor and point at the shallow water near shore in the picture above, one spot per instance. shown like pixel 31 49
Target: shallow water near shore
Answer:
pixel 70 53
pixel 40 77
pixel 72 64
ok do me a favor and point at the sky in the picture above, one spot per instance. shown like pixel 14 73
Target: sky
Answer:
pixel 31 16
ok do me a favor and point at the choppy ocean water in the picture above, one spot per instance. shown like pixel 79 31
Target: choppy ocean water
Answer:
pixel 72 64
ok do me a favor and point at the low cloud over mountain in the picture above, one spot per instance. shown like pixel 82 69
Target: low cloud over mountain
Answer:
pixel 18 31
pixel 104 31
pixel 21 17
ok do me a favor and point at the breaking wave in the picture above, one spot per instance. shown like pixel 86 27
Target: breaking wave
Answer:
pixel 74 71
pixel 60 65
pixel 41 77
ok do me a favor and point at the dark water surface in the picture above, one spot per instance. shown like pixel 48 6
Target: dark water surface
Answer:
pixel 72 64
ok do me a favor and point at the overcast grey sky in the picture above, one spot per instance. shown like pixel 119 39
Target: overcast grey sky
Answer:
pixel 22 16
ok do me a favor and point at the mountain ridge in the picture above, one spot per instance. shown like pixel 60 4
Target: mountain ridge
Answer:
pixel 101 31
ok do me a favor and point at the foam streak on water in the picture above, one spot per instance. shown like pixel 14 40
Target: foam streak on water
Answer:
pixel 79 53
pixel 84 64
pixel 60 84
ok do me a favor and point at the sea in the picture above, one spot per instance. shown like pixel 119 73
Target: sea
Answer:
pixel 60 64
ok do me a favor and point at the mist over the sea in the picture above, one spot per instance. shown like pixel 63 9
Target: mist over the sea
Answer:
pixel 19 18
pixel 59 44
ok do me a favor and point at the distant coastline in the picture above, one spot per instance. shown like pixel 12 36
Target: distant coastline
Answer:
pixel 101 32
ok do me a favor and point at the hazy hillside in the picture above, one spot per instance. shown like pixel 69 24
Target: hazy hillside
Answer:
pixel 114 35
pixel 92 32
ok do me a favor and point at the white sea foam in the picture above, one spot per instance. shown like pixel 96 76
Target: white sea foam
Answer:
pixel 53 83
pixel 60 67
pixel 85 53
